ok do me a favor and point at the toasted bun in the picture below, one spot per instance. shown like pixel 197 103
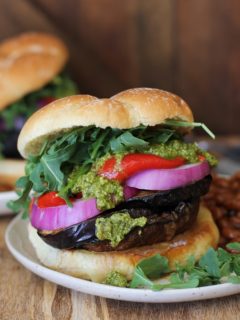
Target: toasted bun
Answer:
pixel 125 110
pixel 96 265
pixel 10 171
pixel 27 63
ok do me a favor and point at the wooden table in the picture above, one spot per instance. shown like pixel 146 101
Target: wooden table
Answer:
pixel 25 296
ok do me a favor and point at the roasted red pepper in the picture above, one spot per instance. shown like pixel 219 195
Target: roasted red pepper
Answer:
pixel 135 162
pixel 201 158
pixel 51 199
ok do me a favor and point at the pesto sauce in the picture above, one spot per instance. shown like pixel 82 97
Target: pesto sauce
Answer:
pixel 107 192
pixel 117 226
pixel 116 279
pixel 174 148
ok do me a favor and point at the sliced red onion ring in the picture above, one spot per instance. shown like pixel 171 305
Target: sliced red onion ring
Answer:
pixel 167 179
pixel 53 218
pixel 63 216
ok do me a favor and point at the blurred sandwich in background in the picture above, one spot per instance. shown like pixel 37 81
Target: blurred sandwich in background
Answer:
pixel 31 75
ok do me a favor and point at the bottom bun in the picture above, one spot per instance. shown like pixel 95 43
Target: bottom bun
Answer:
pixel 96 265
pixel 10 171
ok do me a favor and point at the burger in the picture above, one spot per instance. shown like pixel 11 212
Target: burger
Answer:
pixel 114 182
pixel 31 76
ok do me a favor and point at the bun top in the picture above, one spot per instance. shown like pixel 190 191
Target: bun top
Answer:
pixel 27 63
pixel 126 109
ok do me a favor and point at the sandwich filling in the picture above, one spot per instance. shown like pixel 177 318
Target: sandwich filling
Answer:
pixel 111 189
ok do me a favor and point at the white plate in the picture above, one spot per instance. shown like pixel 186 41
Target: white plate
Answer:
pixel 19 245
pixel 4 198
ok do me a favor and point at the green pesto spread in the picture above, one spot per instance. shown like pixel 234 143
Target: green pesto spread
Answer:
pixel 174 148
pixel 116 279
pixel 107 192
pixel 115 227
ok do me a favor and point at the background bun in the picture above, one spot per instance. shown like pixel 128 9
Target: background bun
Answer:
pixel 10 171
pixel 127 109
pixel 96 265
pixel 27 63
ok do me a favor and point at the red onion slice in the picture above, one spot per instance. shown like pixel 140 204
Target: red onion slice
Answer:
pixel 63 216
pixel 167 179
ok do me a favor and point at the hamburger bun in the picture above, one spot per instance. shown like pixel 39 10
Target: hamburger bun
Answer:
pixel 10 171
pixel 127 109
pixel 27 63
pixel 96 265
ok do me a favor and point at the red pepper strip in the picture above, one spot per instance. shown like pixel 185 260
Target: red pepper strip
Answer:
pixel 135 162
pixel 201 158
pixel 51 199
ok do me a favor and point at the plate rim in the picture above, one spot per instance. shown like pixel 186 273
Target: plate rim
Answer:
pixel 6 196
pixel 125 294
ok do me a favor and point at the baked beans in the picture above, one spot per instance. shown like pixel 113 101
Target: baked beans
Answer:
pixel 5 187
pixel 223 200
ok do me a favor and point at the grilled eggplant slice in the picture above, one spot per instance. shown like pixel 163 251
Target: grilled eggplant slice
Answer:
pixel 162 225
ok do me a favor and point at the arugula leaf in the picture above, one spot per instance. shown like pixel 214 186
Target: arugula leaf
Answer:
pixel 234 279
pixel 215 266
pixel 234 246
pixel 177 282
pixel 236 264
pixel 23 188
pixel 210 263
pixel 154 266
pixel 140 279
pixel 36 177
pixel 126 141
pixel 178 123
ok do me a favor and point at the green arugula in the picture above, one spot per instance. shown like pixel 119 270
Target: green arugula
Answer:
pixel 178 123
pixel 234 246
pixel 23 188
pixel 215 267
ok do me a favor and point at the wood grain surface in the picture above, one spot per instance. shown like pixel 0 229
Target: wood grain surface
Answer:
pixel 189 47
pixel 25 296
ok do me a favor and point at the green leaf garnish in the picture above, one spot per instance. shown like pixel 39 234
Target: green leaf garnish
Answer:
pixel 23 188
pixel 126 141
pixel 234 279
pixel 178 123
pixel 140 280
pixel 154 266
pixel 215 267
pixel 210 263
pixel 234 246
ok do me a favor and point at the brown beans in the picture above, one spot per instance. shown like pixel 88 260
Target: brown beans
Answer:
pixel 5 187
pixel 223 200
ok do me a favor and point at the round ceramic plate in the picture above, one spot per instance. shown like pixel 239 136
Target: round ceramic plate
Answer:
pixel 21 248
pixel 4 198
